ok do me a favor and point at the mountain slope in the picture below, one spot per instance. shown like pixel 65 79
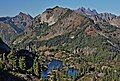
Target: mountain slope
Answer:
pixel 90 47
pixel 11 27
pixel 70 31
pixel 7 33
pixel 53 22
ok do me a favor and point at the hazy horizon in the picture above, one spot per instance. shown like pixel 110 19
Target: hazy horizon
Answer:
pixel 12 8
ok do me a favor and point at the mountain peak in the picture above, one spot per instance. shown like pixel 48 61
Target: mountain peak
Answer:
pixel 56 7
pixel 92 12
pixel 21 13
pixel 87 12
pixel 99 17
pixel 24 14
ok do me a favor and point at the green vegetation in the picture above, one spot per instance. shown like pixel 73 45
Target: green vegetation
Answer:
pixel 41 29
pixel 109 29
pixel 87 49
pixel 93 57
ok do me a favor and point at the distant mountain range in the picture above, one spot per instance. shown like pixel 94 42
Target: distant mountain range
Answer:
pixel 100 17
pixel 53 22
pixel 65 28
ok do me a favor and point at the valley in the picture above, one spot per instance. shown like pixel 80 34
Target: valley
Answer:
pixel 60 44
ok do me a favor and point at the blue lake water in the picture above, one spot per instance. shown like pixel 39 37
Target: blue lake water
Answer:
pixel 54 64
pixel 45 74
pixel 71 72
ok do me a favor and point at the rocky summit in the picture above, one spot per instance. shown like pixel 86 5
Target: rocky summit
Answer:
pixel 11 27
pixel 112 19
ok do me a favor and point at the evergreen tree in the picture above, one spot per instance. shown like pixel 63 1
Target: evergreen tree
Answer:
pixel 22 65
pixel 35 66
pixel 12 58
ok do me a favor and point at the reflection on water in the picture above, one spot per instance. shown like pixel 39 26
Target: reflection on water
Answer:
pixel 54 64
pixel 71 72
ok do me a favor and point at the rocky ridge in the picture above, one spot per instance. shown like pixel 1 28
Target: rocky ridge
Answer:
pixel 11 27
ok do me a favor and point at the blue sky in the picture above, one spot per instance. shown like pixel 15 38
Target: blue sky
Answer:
pixel 35 7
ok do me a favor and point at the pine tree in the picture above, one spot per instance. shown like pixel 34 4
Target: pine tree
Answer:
pixel 39 70
pixel 22 65
pixel 35 66
pixel 12 58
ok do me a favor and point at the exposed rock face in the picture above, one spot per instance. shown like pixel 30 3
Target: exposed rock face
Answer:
pixel 13 26
pixel 87 12
pixel 51 15
pixel 59 20
pixel 68 21
pixel 100 17
pixel 7 33
pixel 20 21
pixel 115 21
